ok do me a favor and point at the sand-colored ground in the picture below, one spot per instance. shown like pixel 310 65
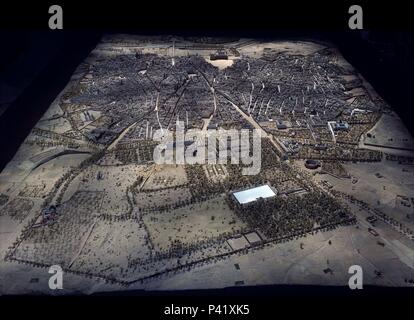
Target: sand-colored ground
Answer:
pixel 191 224
pixel 389 135
pixel 221 64
pixel 112 180
pixel 112 248
pixel 378 184
pixel 166 176
pixel 162 199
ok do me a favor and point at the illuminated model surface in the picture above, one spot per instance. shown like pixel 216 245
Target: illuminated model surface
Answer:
pixel 83 191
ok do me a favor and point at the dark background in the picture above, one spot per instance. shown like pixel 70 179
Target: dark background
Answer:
pixel 36 63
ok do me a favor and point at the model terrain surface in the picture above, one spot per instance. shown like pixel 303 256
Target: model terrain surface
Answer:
pixel 83 190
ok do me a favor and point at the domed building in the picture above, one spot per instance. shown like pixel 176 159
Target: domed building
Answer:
pixel 312 164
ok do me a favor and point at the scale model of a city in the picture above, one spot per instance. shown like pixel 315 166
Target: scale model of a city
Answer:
pixel 335 186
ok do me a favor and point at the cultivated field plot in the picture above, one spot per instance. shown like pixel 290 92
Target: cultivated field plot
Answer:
pixel 162 199
pixel 192 224
pixel 115 249
pixel 166 176
pixel 59 243
pixel 17 208
pixel 114 181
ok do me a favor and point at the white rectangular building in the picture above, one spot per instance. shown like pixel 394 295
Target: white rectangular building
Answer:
pixel 253 194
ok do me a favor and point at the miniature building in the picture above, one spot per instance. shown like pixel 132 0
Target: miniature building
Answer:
pixel 317 122
pixel 340 126
pixel 280 125
pixel 312 164
pixel 254 194
pixel 320 146
pixel 192 74
pixel 219 55
pixel 212 126
pixel 299 110
pixel 49 214
pixel 284 157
